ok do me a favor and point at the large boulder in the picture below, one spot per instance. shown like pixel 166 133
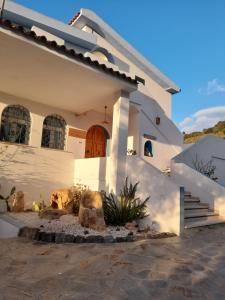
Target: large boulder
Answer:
pixel 52 214
pixel 62 199
pixel 91 212
pixel 16 202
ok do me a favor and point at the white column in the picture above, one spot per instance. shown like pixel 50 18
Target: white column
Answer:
pixel 118 153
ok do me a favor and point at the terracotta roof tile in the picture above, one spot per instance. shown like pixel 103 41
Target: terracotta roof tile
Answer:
pixel 75 17
pixel 29 34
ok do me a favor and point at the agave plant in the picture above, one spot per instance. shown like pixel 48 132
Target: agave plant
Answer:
pixel 126 208
pixel 7 198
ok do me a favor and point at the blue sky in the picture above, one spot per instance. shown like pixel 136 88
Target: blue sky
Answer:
pixel 184 38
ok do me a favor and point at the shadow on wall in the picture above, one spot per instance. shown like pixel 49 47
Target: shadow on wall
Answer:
pixel 164 204
pixel 35 171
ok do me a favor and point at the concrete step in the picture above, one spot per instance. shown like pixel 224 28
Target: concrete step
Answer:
pixel 199 222
pixel 199 213
pixel 197 205
pixel 188 194
pixel 191 200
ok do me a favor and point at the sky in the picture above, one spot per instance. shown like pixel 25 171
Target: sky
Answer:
pixel 185 39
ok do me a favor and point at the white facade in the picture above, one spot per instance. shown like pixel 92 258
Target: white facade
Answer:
pixel 47 81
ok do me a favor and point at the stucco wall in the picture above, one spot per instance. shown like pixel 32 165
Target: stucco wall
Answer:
pixel 164 204
pixel 200 186
pixel 92 172
pixel 35 171
pixel 38 112
pixel 151 88
pixel 208 148
pixel 169 140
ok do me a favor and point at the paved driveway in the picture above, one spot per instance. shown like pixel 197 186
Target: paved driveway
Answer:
pixel 192 267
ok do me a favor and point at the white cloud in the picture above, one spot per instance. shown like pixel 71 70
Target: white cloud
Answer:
pixel 212 87
pixel 202 119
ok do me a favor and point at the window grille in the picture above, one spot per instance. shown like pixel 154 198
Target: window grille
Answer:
pixel 53 133
pixel 15 124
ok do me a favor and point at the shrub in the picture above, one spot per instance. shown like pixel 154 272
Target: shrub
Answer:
pixel 126 208
pixel 206 168
pixel 77 192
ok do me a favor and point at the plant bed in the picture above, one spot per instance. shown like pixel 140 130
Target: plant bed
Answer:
pixel 66 229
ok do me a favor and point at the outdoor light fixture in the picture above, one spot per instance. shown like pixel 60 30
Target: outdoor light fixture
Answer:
pixel 105 119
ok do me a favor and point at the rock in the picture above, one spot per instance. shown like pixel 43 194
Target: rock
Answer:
pixel 67 219
pixel 92 218
pixel 79 239
pixel 109 239
pixel 16 202
pixel 131 225
pixel 62 199
pixel 121 239
pixel 91 239
pixel 91 212
pixel 69 238
pixel 59 237
pixel 52 214
pixel 28 232
pixel 91 200
pixel 3 206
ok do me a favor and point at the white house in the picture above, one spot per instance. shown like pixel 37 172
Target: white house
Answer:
pixel 77 102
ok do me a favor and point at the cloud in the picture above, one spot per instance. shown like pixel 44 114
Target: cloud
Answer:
pixel 202 119
pixel 213 87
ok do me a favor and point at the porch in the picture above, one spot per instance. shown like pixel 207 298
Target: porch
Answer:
pixel 52 87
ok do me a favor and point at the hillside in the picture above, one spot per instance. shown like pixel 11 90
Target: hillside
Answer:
pixel 218 130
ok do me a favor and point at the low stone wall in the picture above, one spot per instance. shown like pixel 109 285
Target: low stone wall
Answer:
pixel 60 237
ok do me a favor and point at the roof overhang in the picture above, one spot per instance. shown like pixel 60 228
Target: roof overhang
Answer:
pixel 90 18
pixel 46 74
pixel 28 18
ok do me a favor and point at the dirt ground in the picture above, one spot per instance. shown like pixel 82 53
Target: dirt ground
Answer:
pixel 191 267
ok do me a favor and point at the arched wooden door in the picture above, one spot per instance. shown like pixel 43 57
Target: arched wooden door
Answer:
pixel 96 142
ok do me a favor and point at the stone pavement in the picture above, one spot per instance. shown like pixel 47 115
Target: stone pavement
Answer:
pixel 191 267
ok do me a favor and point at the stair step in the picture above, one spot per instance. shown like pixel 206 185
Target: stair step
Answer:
pixel 191 200
pixel 199 213
pixel 198 222
pixel 196 205
pixel 187 194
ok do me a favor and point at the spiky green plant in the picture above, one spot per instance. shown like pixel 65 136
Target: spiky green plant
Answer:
pixel 126 208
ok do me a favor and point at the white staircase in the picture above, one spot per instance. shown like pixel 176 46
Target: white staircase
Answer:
pixel 198 214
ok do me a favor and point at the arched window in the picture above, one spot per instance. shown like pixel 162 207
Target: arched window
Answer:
pixel 53 133
pixel 148 149
pixel 15 124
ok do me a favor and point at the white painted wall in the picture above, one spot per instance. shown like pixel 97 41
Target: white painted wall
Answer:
pixel 169 140
pixel 39 111
pixel 93 172
pixel 199 185
pixel 35 171
pixel 164 204
pixel 208 148
pixel 151 88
